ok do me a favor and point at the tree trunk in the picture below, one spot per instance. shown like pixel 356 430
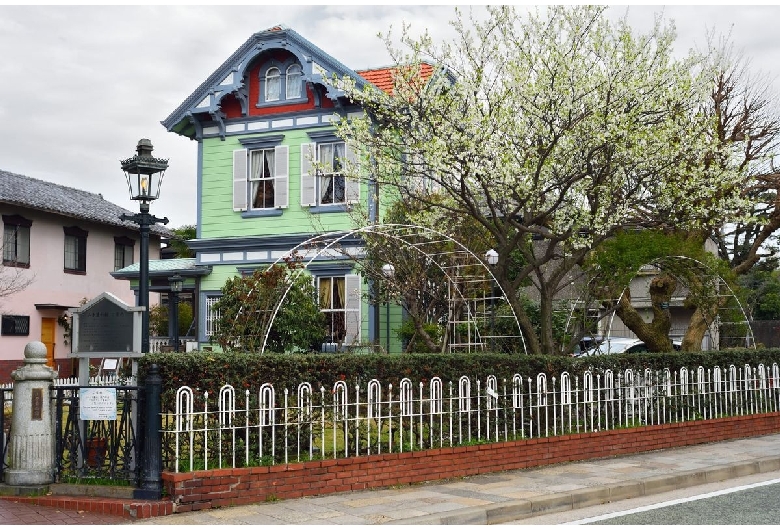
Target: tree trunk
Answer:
pixel 699 325
pixel 654 334
pixel 532 345
pixel 695 332
pixel 420 330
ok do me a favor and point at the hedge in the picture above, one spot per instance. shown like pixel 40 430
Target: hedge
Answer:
pixel 208 371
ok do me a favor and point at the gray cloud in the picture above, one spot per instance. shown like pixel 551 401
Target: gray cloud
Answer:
pixel 82 84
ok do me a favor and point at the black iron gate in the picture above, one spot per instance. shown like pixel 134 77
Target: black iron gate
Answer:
pixel 107 451
pixel 125 450
pixel 6 400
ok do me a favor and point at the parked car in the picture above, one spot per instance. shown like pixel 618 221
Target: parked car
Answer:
pixel 587 342
pixel 621 345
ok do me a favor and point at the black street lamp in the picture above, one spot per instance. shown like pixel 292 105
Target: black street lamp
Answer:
pixel 144 175
pixel 491 256
pixel 388 271
pixel 176 283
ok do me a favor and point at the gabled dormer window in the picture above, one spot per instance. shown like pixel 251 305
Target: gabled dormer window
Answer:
pixel 280 83
pixel 273 84
pixel 294 82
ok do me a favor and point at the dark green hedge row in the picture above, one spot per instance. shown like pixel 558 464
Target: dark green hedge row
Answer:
pixel 207 371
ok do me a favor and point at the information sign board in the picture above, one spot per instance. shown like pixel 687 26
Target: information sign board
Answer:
pixel 97 403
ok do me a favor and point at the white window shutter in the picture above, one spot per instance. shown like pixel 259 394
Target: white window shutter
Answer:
pixel 240 163
pixel 282 176
pixel 308 175
pixel 352 286
pixel 352 192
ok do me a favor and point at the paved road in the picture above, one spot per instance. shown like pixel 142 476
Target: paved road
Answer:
pixel 752 504
pixel 673 503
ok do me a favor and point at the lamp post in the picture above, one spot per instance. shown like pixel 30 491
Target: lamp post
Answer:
pixel 144 175
pixel 491 256
pixel 176 283
pixel 388 271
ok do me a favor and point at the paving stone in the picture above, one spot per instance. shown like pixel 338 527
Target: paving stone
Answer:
pixel 476 500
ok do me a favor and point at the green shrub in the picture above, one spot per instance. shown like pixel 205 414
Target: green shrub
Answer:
pixel 158 319
pixel 208 371
pixel 407 333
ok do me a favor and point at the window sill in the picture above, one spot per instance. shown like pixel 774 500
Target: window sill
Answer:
pixel 330 208
pixel 16 264
pixel 280 102
pixel 73 271
pixel 271 212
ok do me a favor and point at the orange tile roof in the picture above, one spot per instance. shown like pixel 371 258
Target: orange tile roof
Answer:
pixel 382 78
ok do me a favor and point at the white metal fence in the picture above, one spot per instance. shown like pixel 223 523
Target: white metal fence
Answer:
pixel 266 425
pixel 105 380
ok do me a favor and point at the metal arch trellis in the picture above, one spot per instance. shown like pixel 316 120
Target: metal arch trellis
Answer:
pixel 456 272
pixel 713 321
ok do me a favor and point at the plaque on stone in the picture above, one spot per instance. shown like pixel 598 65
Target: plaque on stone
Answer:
pixel 36 405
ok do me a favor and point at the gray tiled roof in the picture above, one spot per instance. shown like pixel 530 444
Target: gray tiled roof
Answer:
pixel 186 267
pixel 49 197
pixel 162 265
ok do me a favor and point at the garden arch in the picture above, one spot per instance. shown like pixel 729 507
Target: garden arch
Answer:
pixel 727 316
pixel 466 275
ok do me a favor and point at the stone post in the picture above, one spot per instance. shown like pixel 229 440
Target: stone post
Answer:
pixel 31 447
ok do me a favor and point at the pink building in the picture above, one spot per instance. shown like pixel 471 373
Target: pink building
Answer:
pixel 59 246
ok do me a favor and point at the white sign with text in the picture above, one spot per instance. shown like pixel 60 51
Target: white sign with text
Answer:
pixel 97 403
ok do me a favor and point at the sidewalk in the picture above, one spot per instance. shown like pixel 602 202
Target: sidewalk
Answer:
pixel 502 497
pixel 482 499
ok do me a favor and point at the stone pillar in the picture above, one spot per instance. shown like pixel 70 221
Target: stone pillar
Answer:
pixel 31 447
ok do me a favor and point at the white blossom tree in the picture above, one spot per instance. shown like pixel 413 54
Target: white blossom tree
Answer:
pixel 552 131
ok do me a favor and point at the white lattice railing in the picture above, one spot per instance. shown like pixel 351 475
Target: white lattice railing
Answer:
pixel 162 344
pixel 106 380
pixel 266 426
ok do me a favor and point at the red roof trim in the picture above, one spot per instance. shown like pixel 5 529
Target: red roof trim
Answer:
pixel 382 78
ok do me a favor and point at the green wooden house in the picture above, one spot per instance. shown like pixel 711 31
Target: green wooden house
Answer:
pixel 260 120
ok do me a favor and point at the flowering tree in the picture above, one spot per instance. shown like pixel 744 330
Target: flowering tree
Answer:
pixel 746 130
pixel 552 131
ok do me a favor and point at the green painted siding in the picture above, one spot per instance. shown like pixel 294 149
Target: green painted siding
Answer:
pixel 218 217
pixel 219 275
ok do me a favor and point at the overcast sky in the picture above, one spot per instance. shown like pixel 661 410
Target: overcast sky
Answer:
pixel 81 85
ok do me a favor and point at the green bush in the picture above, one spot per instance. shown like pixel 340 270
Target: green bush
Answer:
pixel 207 371
pixel 247 311
pixel 158 319
pixel 407 333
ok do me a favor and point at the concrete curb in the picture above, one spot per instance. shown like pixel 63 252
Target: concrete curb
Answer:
pixel 558 502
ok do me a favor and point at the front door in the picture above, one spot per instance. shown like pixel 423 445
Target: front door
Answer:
pixel 47 337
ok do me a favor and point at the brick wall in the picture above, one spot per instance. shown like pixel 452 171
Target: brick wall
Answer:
pixel 67 367
pixel 8 366
pixel 226 487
